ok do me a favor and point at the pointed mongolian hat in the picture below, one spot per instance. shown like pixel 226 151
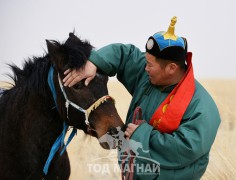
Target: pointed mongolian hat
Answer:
pixel 166 45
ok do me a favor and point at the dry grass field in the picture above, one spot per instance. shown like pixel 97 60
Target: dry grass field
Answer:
pixel 90 161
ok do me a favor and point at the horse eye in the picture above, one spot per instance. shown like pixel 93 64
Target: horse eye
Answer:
pixel 78 86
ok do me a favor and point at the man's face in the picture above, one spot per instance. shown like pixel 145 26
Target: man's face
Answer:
pixel 157 73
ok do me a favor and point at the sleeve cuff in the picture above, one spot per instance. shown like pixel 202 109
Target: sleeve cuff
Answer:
pixel 142 131
pixel 100 62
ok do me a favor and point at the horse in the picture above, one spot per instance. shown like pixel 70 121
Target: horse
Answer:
pixel 38 110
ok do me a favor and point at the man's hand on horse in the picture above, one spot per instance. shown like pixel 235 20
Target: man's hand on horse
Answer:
pixel 74 76
pixel 130 129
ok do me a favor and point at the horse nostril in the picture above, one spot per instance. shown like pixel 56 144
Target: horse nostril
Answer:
pixel 113 131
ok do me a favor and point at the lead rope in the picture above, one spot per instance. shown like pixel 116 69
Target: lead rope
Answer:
pixel 130 175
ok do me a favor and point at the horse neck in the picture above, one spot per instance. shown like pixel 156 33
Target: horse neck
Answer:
pixel 30 100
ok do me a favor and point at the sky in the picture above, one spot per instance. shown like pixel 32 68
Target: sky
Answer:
pixel 209 27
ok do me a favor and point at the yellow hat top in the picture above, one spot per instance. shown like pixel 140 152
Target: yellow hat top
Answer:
pixel 170 34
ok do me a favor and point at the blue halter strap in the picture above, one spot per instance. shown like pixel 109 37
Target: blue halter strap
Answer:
pixel 60 140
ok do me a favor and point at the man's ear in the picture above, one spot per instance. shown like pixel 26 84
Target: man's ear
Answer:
pixel 171 68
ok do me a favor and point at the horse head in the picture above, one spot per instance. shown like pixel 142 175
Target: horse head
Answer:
pixel 88 108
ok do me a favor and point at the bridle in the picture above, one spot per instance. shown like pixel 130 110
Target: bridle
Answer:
pixel 86 112
pixel 59 143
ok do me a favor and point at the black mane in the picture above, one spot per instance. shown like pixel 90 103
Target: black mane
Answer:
pixel 33 75
pixel 77 49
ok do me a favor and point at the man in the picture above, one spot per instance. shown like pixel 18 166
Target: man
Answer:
pixel 181 118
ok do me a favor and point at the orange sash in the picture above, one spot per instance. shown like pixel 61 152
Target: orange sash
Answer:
pixel 169 114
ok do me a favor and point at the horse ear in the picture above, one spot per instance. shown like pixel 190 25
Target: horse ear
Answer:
pixel 71 35
pixel 55 53
pixel 74 37
pixel 52 47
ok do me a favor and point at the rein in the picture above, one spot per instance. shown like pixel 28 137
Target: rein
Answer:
pixel 130 175
pixel 60 140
